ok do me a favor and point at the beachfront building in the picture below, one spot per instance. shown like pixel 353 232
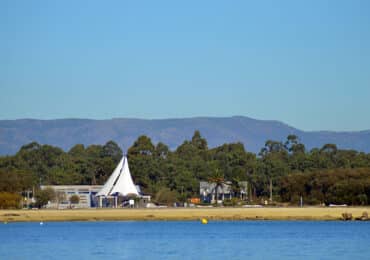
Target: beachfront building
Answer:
pixel 63 194
pixel 87 195
pixel 224 191
pixel 121 189
pixel 118 191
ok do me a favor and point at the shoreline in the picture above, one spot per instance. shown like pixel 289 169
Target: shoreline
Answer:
pixel 181 214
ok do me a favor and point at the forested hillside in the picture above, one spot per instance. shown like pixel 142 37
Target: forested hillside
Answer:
pixel 321 175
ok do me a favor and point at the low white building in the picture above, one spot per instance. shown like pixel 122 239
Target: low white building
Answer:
pixel 86 194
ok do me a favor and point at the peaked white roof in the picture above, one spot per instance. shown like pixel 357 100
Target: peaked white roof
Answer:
pixel 120 182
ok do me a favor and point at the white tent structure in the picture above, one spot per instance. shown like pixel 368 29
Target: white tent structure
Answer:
pixel 119 183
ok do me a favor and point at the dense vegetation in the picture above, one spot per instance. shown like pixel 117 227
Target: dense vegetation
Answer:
pixel 321 175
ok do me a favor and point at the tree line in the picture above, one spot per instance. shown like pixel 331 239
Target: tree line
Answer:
pixel 320 175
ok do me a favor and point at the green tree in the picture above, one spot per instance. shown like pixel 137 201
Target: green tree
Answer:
pixel 198 141
pixel 44 196
pixel 161 151
pixel 166 196
pixel 142 146
pixel 143 164
pixel 77 151
pixel 112 150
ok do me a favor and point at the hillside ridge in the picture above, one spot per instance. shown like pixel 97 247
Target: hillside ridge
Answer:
pixel 253 133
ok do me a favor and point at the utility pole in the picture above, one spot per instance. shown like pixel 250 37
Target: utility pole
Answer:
pixel 270 190
pixel 28 198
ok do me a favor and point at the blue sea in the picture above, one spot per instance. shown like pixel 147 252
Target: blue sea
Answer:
pixel 186 240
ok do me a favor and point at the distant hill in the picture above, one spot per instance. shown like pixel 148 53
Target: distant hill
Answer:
pixel 253 133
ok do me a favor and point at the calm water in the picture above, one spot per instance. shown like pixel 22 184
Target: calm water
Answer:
pixel 186 240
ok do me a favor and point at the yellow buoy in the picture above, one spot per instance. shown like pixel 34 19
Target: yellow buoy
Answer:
pixel 204 221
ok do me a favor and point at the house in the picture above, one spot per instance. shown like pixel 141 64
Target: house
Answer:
pixel 207 191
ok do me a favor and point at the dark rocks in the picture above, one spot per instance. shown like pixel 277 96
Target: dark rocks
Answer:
pixel 363 217
pixel 346 216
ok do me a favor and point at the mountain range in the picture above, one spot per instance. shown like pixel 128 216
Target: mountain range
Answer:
pixel 253 133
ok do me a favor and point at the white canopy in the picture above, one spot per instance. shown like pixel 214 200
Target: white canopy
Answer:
pixel 120 182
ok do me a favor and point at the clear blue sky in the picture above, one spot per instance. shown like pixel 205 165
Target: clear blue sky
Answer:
pixel 306 63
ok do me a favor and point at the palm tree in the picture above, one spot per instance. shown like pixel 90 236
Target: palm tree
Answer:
pixel 235 187
pixel 218 179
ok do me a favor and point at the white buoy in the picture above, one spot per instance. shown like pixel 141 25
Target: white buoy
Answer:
pixel 41 223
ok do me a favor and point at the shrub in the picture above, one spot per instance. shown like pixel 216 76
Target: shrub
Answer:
pixel 44 196
pixel 74 199
pixel 10 200
pixel 231 202
pixel 166 196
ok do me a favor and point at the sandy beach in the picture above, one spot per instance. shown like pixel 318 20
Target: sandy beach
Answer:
pixel 172 214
